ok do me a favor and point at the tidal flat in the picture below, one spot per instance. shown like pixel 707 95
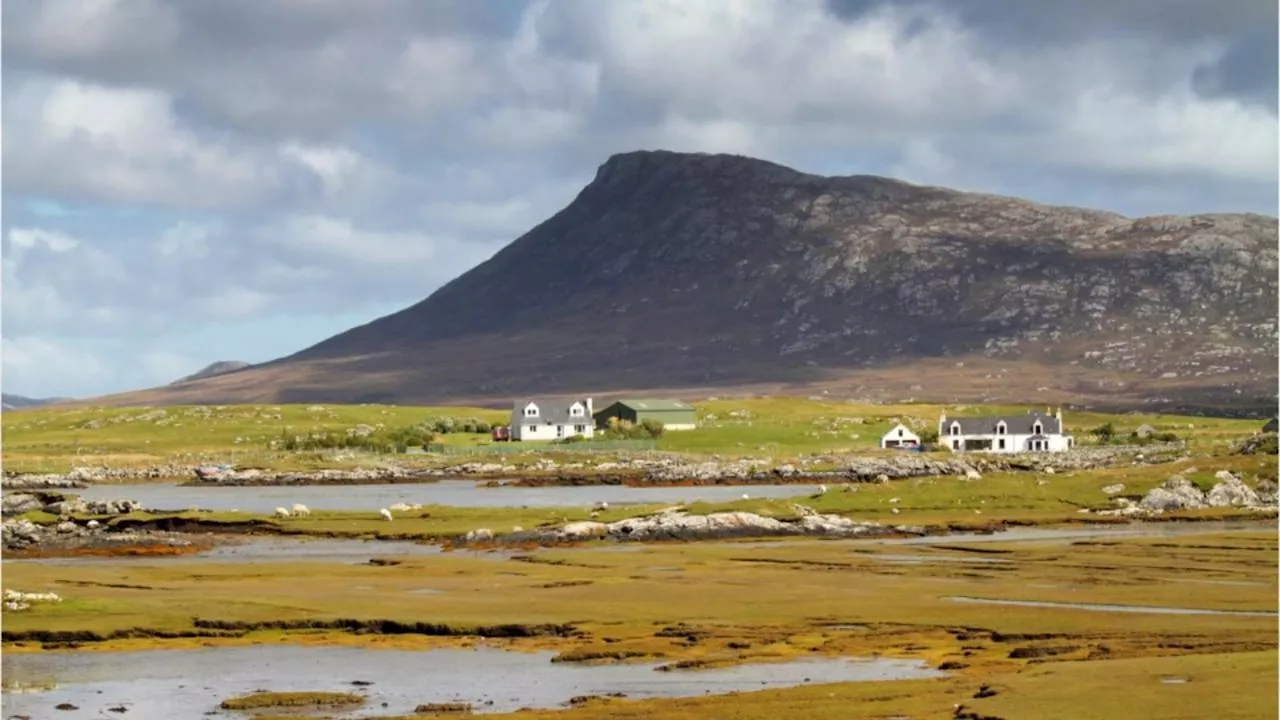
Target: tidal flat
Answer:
pixel 716 605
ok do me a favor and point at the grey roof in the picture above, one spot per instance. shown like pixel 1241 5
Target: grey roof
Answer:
pixel 1271 425
pixel 1015 424
pixel 554 411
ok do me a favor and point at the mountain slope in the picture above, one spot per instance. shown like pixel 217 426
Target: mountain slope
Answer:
pixel 673 271
pixel 221 367
pixel 17 402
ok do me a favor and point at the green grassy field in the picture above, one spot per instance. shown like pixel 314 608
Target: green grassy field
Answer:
pixel 55 440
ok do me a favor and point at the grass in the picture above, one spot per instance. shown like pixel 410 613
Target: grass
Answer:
pixel 55 440
pixel 730 602
pixel 263 700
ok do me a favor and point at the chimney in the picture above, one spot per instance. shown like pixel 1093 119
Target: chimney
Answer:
pixel 590 412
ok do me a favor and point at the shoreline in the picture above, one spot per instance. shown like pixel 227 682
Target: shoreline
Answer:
pixel 639 471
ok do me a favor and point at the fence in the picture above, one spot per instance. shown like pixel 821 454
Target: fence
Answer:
pixel 512 448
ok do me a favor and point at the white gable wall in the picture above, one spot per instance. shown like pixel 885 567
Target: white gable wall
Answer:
pixel 899 435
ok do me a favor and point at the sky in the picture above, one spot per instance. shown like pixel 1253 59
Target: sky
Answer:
pixel 186 181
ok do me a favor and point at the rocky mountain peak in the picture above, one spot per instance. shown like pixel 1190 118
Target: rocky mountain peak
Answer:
pixel 678 270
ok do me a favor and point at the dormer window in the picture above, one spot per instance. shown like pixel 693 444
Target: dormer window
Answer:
pixel 955 428
pixel 531 411
pixel 576 410
pixel 1038 429
pixel 1001 428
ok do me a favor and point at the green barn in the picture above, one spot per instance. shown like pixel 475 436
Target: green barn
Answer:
pixel 673 414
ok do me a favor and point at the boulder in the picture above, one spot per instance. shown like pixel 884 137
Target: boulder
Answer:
pixel 1266 490
pixel 1231 492
pixel 19 534
pixel 1114 489
pixel 19 503
pixel 584 530
pixel 1177 493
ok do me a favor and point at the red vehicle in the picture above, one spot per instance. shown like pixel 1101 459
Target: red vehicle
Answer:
pixel 501 433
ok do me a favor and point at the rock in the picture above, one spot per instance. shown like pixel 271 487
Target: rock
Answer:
pixel 19 503
pixel 584 530
pixel 1177 493
pixel 882 478
pixel 1114 489
pixel 1231 492
pixel 1266 490
pixel 19 534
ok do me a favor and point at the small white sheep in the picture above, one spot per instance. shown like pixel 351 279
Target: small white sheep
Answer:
pixel 600 506
pixel 301 510
pixel 401 507
pixel 92 524
pixel 282 512
pixel 746 496
pixel 895 511
pixel 516 529
pixel 822 489
pixel 594 514
pixel 386 514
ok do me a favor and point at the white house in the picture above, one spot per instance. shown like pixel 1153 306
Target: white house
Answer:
pixel 551 419
pixel 899 436
pixel 1033 432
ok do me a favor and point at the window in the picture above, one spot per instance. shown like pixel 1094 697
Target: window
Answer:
pixel 575 410
pixel 955 444
pixel 899 432
pixel 531 411
pixel 559 431
pixel 532 428
pixel 1037 429
pixel 1002 429
pixel 1001 445
pixel 579 428
pixel 955 428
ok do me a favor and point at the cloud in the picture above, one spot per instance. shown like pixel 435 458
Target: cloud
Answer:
pixel 176 167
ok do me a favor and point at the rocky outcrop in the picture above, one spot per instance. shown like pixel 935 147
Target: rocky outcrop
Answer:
pixel 19 503
pixel 1260 444
pixel 1177 493
pixel 679 524
pixel 1230 491
pixel 21 534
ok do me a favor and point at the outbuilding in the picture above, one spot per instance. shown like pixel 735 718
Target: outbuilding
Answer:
pixel 673 414
pixel 899 436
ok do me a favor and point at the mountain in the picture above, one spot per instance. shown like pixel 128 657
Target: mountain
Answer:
pixel 221 367
pixel 688 274
pixel 17 402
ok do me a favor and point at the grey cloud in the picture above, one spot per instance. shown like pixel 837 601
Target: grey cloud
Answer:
pixel 1247 28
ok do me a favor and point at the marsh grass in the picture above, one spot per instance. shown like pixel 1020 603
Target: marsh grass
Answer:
pixel 711 604
pixel 263 700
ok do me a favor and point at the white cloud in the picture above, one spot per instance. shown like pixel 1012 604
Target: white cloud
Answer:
pixel 25 238
pixel 230 162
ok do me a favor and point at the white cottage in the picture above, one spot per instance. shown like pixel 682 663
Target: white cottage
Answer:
pixel 899 436
pixel 551 419
pixel 1033 432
